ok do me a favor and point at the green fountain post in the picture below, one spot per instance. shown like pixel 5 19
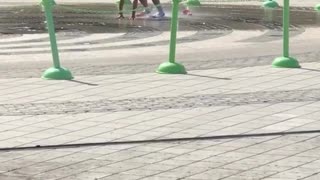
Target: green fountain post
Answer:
pixel 171 67
pixel 56 72
pixel 270 4
pixel 286 61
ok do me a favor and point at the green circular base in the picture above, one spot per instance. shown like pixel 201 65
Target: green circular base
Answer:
pixel 191 3
pixel 270 4
pixel 57 74
pixel 286 62
pixel 317 8
pixel 171 68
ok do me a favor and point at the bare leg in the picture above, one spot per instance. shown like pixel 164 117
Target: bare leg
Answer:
pixel 121 4
pixel 156 2
pixel 146 11
pixel 144 3
pixel 134 8
pixel 159 7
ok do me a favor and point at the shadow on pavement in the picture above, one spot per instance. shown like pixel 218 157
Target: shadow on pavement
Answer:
pixel 308 69
pixel 211 77
pixel 85 83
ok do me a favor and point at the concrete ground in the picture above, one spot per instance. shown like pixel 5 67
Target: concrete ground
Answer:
pixel 231 117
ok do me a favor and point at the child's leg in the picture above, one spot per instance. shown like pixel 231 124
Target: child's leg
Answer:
pixel 146 8
pixel 121 4
pixel 159 7
pixel 134 8
pixel 144 3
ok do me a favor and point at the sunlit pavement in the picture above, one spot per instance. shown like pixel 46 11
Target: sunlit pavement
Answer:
pixel 259 122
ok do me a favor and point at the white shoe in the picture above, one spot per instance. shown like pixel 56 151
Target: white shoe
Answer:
pixel 158 15
pixel 143 13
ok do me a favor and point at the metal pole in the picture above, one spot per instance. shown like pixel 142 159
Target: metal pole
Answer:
pixel 172 67
pixel 286 61
pixel 48 6
pixel 286 24
pixel 56 72
pixel 174 29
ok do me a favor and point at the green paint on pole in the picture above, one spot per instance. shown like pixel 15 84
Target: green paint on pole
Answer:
pixel 174 29
pixel 172 67
pixel 48 7
pixel 270 4
pixel 286 61
pixel 286 26
pixel 56 72
pixel 317 7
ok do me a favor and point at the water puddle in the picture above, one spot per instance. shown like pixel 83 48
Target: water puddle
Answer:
pixel 30 19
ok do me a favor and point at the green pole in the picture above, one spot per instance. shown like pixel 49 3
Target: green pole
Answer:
pixel 286 61
pixel 174 28
pixel 56 72
pixel 286 24
pixel 49 5
pixel 171 67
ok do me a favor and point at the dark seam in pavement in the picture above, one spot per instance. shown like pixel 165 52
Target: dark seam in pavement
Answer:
pixel 76 145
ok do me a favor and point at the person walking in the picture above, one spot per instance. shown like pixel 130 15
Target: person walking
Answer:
pixel 146 11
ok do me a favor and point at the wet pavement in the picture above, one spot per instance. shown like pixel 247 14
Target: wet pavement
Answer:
pixel 100 18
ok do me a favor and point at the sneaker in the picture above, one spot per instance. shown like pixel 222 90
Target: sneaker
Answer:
pixel 187 12
pixel 143 13
pixel 158 15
